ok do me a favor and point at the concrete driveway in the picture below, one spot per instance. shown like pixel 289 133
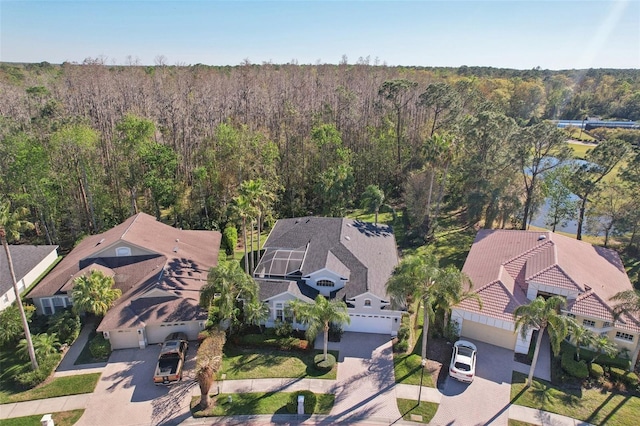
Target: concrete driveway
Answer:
pixel 486 400
pixel 126 395
pixel 365 386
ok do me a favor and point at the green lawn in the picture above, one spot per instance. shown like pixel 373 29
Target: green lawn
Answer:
pixel 519 423
pixel 59 386
pixel 85 356
pixel 63 418
pixel 408 407
pixel 241 363
pixel 591 405
pixel 408 368
pixel 256 403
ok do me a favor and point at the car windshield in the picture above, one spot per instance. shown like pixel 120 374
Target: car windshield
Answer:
pixel 462 366
pixel 465 351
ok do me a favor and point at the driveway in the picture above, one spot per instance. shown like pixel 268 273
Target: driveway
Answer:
pixel 126 395
pixel 365 386
pixel 486 400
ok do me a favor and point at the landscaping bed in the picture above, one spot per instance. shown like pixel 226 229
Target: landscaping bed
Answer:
pixel 408 367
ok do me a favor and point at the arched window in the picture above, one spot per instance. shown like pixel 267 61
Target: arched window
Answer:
pixel 367 303
pixel 325 283
pixel 123 251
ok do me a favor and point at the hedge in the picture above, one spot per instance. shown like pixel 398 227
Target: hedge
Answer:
pixel 596 371
pixel 323 365
pixel 574 368
pixel 627 377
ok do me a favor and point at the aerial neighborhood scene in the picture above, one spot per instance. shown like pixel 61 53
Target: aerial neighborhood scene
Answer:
pixel 333 212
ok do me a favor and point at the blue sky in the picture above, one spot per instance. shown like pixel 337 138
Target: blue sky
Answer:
pixel 512 34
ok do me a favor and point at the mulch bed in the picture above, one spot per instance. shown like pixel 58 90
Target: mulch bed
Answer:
pixel 438 356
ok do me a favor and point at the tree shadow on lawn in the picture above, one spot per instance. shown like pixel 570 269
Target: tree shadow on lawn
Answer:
pixel 253 359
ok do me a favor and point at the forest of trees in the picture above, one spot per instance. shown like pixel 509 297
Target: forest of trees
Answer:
pixel 86 145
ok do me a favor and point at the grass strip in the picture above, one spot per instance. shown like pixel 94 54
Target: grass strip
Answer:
pixel 59 386
pixel 594 406
pixel 408 407
pixel 255 403
pixel 62 418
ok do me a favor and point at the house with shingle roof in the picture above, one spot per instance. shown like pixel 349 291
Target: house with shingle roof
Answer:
pixel 510 268
pixel 29 262
pixel 159 269
pixel 341 259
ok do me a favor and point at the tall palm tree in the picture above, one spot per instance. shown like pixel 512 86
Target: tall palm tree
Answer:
pixel 11 224
pixel 417 276
pixel 373 199
pixel 260 198
pixel 542 315
pixel 227 284
pixel 243 209
pixel 319 315
pixel 604 346
pixel 94 293
pixel 629 303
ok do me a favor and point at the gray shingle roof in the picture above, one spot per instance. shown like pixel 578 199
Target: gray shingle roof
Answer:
pixel 362 252
pixel 25 258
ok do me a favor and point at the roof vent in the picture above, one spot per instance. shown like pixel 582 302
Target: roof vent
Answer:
pixel 542 237
pixel 100 242
pixel 177 240
pixel 175 249
pixel 348 238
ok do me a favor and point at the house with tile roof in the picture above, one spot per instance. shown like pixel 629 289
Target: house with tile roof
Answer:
pixel 510 268
pixel 29 262
pixel 341 259
pixel 159 269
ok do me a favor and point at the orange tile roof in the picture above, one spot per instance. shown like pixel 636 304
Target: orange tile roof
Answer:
pixel 545 258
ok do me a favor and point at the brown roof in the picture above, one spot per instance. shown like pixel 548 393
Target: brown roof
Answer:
pixel 178 263
pixel 508 256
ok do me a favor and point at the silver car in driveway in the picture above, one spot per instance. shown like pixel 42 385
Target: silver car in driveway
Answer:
pixel 463 361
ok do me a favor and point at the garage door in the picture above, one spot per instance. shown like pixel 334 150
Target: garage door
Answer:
pixel 378 324
pixel 156 333
pixel 486 333
pixel 123 339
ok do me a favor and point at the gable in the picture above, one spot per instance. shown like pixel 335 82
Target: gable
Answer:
pixel 120 248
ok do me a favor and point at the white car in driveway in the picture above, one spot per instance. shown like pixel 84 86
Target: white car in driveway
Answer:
pixel 463 361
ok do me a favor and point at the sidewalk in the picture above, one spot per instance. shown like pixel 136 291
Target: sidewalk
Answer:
pixel 43 406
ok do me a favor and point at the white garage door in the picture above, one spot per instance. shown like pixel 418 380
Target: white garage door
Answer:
pixel 379 324
pixel 123 339
pixel 489 334
pixel 156 333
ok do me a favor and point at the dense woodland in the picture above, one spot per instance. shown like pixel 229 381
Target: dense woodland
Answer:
pixel 86 145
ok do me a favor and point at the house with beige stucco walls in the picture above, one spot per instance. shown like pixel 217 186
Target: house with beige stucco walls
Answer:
pixel 510 268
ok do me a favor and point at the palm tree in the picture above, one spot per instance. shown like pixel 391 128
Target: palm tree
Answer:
pixel 451 290
pixel 94 293
pixel 319 315
pixel 417 276
pixel 256 313
pixel 260 198
pixel 582 336
pixel 373 199
pixel 208 362
pixel 629 303
pixel 11 224
pixel 542 315
pixel 227 284
pixel 244 210
pixel 44 345
pixel 604 346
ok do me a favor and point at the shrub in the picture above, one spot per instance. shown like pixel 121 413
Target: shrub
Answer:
pixel 401 346
pixel 596 371
pixel 31 379
pixel 322 364
pixel 403 333
pixel 283 329
pixel 574 368
pixel 335 332
pixel 66 325
pixel 230 239
pixel 309 402
pixel 99 347
pixel 629 378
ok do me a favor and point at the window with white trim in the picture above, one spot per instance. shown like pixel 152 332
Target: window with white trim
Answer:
pixel 51 305
pixel 123 251
pixel 570 315
pixel 588 323
pixel 624 336
pixel 283 313
pixel 606 324
pixel 325 283
pixel 367 303
pixel 47 307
